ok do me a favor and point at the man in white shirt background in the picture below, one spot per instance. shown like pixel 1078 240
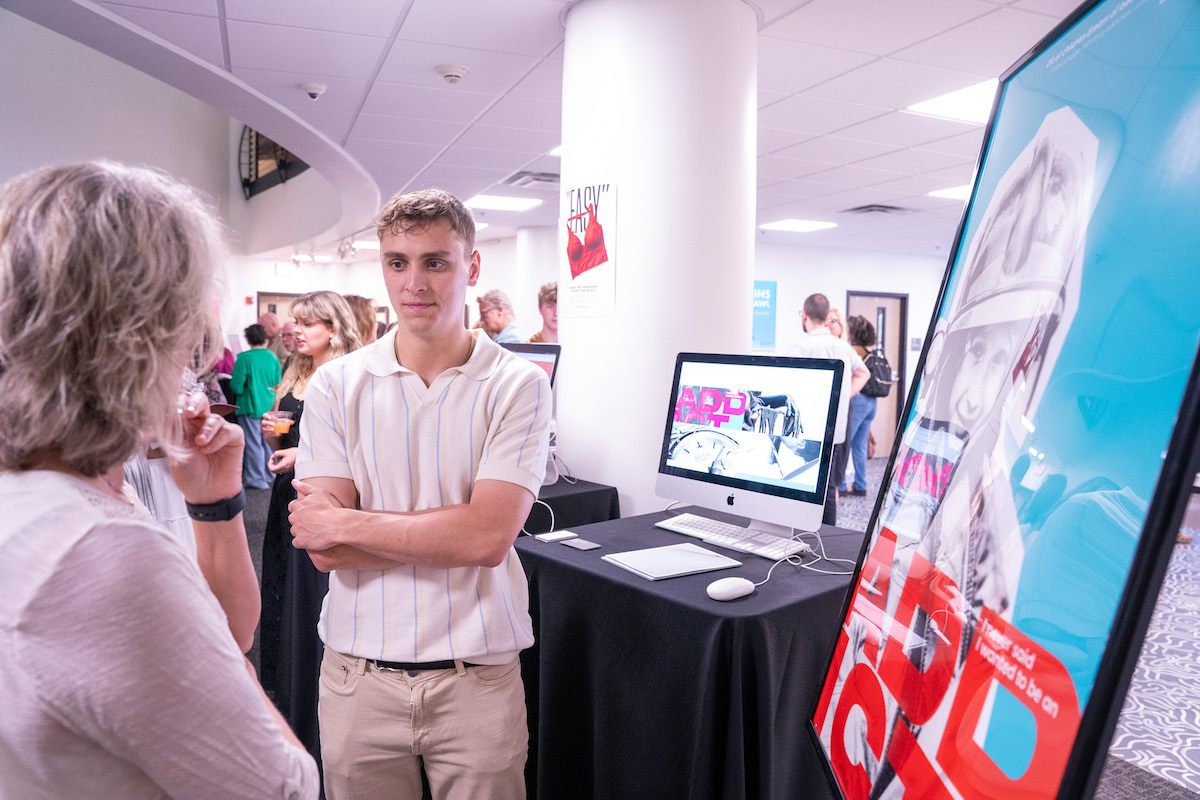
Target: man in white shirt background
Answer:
pixel 819 342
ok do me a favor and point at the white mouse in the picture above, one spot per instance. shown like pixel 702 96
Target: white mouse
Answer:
pixel 730 588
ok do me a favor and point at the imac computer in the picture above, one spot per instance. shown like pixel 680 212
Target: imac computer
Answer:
pixel 751 435
pixel 544 354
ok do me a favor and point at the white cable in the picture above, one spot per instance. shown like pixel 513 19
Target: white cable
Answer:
pixel 554 463
pixel 567 475
pixel 548 508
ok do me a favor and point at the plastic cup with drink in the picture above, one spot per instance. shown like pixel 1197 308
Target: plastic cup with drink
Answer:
pixel 282 422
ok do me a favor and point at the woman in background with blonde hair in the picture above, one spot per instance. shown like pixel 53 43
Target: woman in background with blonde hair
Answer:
pixel 121 662
pixel 292 588
pixel 364 315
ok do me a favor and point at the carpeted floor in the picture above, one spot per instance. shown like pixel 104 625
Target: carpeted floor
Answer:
pixel 1155 752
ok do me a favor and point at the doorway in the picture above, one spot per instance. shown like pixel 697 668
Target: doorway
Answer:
pixel 889 314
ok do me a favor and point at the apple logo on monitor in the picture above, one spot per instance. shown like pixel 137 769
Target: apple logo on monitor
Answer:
pixel 729 500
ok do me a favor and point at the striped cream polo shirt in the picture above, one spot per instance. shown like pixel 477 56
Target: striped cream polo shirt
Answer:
pixel 409 447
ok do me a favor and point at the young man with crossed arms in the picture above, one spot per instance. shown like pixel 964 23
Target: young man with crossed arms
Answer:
pixel 420 458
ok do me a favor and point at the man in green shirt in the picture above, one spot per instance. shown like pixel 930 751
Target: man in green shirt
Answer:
pixel 256 373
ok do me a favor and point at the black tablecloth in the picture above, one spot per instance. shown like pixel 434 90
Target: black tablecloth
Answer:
pixel 641 688
pixel 578 503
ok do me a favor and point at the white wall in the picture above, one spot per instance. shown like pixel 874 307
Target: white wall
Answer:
pixel 249 276
pixel 800 271
pixel 63 102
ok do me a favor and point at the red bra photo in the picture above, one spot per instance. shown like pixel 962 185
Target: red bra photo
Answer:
pixel 590 252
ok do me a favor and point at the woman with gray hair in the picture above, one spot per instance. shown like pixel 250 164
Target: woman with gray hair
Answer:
pixel 121 662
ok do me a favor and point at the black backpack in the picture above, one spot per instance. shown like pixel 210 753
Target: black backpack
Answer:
pixel 880 382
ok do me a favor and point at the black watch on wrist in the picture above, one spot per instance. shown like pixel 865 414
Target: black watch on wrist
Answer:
pixel 220 511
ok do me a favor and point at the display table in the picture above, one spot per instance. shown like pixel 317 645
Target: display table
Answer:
pixel 578 503
pixel 641 688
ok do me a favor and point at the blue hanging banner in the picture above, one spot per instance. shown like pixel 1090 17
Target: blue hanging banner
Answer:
pixel 763 336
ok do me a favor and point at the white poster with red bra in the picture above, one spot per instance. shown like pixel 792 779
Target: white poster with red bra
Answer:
pixel 589 274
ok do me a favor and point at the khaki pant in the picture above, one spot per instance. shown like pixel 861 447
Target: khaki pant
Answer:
pixel 466 725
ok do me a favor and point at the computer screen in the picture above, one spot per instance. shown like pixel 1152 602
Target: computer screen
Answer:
pixel 544 354
pixel 751 435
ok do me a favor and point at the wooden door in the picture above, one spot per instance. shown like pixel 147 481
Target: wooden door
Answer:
pixel 889 314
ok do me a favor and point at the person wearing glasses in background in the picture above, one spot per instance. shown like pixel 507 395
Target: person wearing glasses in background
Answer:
pixel 496 313
pixel 287 337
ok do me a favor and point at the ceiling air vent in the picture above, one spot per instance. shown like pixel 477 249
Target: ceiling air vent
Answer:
pixel 534 179
pixel 877 208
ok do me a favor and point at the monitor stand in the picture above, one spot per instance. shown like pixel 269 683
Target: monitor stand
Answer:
pixel 771 528
pixel 552 474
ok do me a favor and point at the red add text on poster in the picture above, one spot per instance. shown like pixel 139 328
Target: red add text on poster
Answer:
pixel 931 719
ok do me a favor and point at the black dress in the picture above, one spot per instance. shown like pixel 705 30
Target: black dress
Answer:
pixel 292 591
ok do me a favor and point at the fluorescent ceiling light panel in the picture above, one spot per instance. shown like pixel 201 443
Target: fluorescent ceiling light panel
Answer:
pixel 972 104
pixel 797 225
pixel 495 202
pixel 366 244
pixel 953 193
pixel 480 226
pixel 556 152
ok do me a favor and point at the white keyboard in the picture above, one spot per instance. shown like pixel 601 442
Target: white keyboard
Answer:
pixel 735 537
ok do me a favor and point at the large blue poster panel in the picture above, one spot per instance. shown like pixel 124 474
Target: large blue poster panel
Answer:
pixel 1034 440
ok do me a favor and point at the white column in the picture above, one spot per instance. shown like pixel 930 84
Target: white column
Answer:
pixel 537 263
pixel 659 99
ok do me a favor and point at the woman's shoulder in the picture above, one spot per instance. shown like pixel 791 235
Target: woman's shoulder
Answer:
pixel 63 527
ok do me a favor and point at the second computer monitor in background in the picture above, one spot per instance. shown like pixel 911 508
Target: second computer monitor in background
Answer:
pixel 544 354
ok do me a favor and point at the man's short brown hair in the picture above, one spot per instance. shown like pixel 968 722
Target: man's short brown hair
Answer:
pixel 548 294
pixel 417 210
pixel 816 307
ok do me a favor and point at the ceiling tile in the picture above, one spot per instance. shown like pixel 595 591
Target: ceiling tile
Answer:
pixel 544 82
pixel 378 152
pixel 425 102
pixel 413 63
pixel 519 112
pixel 906 129
pixel 988 45
pixel 126 8
pixel 365 17
pixel 780 168
pixel 525 27
pixel 836 150
pixel 914 161
pixel 386 127
pixel 459 156
pixel 304 52
pixel 815 114
pixel 790 66
pixel 771 140
pixel 198 35
pixel 518 139
pixel 870 26
pixel 896 84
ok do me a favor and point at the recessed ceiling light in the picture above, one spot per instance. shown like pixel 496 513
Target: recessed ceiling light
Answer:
pixel 366 244
pixel 953 193
pixel 495 202
pixel 797 225
pixel 972 104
